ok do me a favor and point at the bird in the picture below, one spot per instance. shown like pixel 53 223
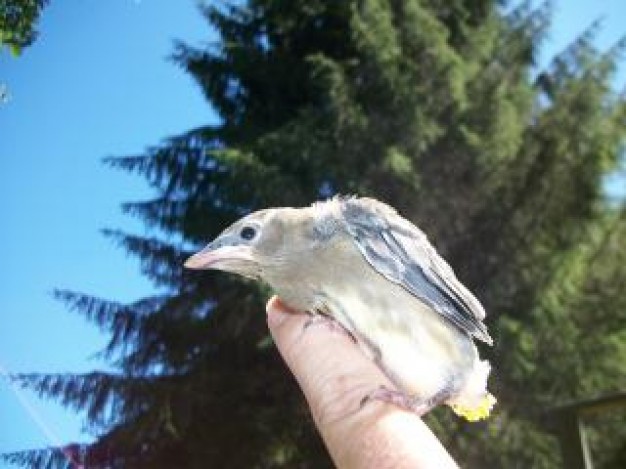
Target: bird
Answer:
pixel 357 262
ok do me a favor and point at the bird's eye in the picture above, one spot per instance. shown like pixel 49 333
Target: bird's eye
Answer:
pixel 247 233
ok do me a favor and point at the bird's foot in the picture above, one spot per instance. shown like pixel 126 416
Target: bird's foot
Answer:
pixel 332 324
pixel 399 399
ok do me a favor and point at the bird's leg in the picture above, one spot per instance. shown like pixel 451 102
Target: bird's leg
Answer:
pixel 400 399
pixel 317 318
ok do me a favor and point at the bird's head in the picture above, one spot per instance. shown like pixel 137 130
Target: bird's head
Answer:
pixel 257 243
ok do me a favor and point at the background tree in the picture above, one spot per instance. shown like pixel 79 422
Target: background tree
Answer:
pixel 432 106
pixel 17 23
pixel 17 29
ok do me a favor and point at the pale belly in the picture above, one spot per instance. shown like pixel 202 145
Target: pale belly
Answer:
pixel 418 350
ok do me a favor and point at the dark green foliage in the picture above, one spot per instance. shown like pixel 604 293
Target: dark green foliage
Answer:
pixel 47 458
pixel 431 106
pixel 17 23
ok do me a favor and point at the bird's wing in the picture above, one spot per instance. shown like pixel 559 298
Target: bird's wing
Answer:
pixel 398 250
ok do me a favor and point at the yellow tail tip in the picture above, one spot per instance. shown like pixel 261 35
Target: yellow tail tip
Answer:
pixel 479 412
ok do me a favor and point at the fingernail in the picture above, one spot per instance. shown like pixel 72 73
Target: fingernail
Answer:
pixel 271 303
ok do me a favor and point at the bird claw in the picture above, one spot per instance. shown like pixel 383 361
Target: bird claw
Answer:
pixel 399 399
pixel 332 324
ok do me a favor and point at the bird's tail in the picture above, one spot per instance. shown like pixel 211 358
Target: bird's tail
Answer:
pixel 474 402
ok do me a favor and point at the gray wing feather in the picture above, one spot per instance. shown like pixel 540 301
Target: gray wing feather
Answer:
pixel 398 250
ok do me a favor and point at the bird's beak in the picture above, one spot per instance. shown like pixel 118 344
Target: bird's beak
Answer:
pixel 219 257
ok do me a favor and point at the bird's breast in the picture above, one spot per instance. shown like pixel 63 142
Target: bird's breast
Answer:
pixel 417 348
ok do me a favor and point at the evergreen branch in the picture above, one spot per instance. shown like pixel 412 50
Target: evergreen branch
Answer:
pixel 236 183
pixel 176 164
pixel 160 261
pixel 156 341
pixel 106 397
pixel 199 219
pixel 110 315
pixel 144 331
pixel 91 391
pixel 67 457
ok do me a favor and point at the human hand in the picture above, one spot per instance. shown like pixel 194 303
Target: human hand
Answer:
pixel 335 376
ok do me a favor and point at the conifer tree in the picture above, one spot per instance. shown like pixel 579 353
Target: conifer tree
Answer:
pixel 432 106
pixel 17 23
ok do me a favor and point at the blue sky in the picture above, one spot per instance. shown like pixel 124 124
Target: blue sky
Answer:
pixel 98 83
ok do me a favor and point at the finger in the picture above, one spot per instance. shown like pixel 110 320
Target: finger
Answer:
pixel 335 375
pixel 332 371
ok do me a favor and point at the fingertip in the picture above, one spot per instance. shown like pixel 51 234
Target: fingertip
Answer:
pixel 275 317
pixel 277 312
pixel 272 303
pixel 276 303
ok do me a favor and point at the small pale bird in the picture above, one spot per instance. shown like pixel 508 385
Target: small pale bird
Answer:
pixel 358 262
